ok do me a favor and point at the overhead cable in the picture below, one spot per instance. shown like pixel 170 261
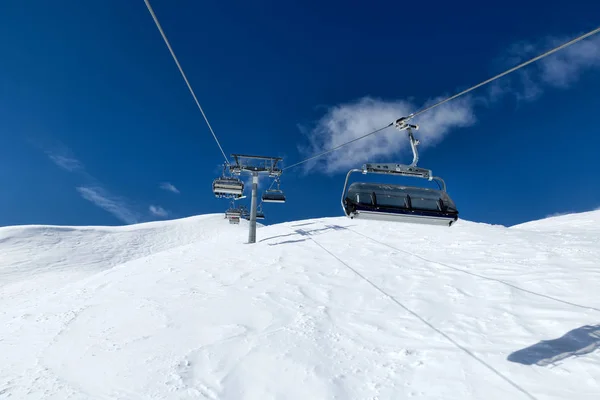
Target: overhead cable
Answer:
pixel 410 116
pixel 337 147
pixel 184 77
pixel 534 59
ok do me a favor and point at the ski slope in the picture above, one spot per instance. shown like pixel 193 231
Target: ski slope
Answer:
pixel 329 308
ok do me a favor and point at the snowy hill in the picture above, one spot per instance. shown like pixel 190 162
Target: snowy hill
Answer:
pixel 317 309
pixel 47 257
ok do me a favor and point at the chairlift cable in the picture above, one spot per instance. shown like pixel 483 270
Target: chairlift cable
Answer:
pixel 534 59
pixel 410 116
pixel 337 147
pixel 184 77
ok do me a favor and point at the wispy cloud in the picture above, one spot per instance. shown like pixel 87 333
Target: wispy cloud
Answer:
pixel 564 68
pixel 67 163
pixel 169 187
pixel 263 182
pixel 115 205
pixel 63 157
pixel 91 189
pixel 159 211
pixel 344 122
pixel 349 121
pixel 559 70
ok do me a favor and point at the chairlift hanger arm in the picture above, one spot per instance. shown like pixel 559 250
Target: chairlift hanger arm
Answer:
pixel 401 124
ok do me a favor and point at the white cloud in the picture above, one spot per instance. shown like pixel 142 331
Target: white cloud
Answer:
pixel 263 182
pixel 105 200
pixel 62 156
pixel 92 190
pixel 566 66
pixel 558 70
pixel 349 121
pixel 67 163
pixel 159 211
pixel 169 187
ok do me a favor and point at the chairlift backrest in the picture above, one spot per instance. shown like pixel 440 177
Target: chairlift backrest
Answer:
pixel 400 196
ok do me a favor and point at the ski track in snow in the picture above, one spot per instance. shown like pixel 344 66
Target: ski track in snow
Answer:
pixel 318 309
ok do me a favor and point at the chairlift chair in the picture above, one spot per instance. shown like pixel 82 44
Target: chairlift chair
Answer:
pixel 228 187
pixel 273 195
pixel 236 212
pixel 233 212
pixel 233 215
pixel 385 202
pixel 400 203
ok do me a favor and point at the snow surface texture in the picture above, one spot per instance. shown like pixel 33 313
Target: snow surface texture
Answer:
pixel 329 308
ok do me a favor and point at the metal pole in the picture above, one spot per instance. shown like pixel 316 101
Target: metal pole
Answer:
pixel 253 205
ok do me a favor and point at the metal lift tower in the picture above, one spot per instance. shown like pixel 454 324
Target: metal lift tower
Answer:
pixel 255 166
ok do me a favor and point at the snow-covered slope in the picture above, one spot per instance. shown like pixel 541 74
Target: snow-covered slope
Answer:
pixel 43 258
pixel 580 223
pixel 318 309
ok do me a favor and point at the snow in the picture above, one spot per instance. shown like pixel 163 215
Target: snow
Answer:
pixel 317 309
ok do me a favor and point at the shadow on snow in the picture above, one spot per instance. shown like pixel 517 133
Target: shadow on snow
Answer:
pixel 575 343
pixel 305 233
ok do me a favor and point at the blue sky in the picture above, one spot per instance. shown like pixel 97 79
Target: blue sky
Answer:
pixel 97 126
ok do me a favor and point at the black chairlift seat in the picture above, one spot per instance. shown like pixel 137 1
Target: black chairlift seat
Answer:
pixel 228 187
pixel 385 202
pixel 273 196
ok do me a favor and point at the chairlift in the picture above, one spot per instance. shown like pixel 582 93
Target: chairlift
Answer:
pixel 228 186
pixel 233 212
pixel 233 215
pixel 399 203
pixel 273 195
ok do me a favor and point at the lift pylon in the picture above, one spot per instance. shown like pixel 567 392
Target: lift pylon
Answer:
pixel 255 166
